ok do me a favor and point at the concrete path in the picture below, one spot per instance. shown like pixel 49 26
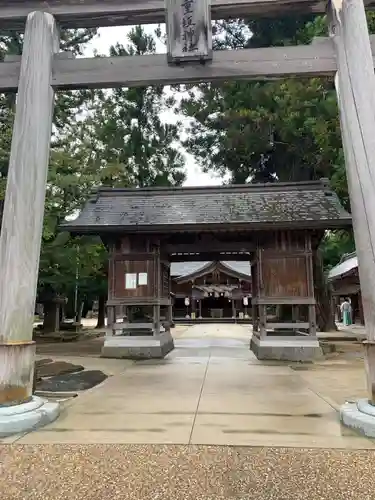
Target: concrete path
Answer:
pixel 356 331
pixel 211 390
pixel 154 430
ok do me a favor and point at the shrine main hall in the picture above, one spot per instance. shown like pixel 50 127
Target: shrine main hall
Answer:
pixel 241 251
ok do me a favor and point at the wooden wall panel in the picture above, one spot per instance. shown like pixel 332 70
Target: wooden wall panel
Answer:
pixel 111 273
pixel 254 279
pixel 133 244
pixel 286 241
pixel 181 289
pixel 165 281
pixel 121 267
pixel 346 285
pixel 285 277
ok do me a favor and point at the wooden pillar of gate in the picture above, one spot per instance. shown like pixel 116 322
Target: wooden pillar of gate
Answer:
pixel 355 85
pixel 193 307
pixel 200 308
pixel 22 222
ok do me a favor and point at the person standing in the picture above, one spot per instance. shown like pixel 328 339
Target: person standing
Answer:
pixel 346 311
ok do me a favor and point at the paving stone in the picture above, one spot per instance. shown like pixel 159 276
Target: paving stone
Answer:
pixel 57 368
pixel 41 362
pixel 72 381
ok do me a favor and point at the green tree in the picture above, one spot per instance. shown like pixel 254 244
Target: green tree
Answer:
pixel 73 173
pixel 271 131
pixel 267 131
pixel 67 103
pixel 129 143
pixel 130 132
pixel 117 139
pixel 334 245
pixel 68 181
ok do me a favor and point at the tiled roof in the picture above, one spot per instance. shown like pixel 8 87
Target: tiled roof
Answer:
pixel 186 268
pixel 241 266
pixel 312 203
pixel 346 265
pixel 181 269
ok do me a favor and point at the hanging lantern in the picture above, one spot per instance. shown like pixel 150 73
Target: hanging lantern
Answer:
pixel 187 301
pixel 245 301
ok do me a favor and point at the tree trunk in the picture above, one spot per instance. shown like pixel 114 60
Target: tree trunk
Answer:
pixel 324 314
pixel 79 313
pixel 85 309
pixel 101 311
pixel 51 317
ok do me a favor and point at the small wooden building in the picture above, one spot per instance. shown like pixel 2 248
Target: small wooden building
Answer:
pixel 344 280
pixel 211 290
pixel 273 227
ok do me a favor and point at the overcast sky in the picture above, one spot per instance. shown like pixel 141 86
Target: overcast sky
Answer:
pixel 110 36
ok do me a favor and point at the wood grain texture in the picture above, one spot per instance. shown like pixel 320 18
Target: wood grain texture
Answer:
pixel 355 84
pixel 124 267
pixel 370 369
pixel 147 301
pixel 292 325
pixel 24 202
pixel 95 13
pixel 214 243
pixel 208 256
pixel 283 300
pixel 285 277
pixel 189 32
pixel 16 372
pixel 136 71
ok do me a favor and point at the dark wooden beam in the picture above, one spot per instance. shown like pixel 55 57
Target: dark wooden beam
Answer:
pixel 284 301
pixel 316 59
pixel 208 256
pixel 96 13
pixel 218 246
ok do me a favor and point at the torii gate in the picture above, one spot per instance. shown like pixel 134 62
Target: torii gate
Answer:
pixel 42 70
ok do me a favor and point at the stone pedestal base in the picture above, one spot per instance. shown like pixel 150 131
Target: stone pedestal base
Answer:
pixel 27 416
pixel 359 416
pixel 286 349
pixel 140 347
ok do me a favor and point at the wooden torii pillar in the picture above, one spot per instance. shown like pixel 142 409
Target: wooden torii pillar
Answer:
pixel 355 85
pixel 22 228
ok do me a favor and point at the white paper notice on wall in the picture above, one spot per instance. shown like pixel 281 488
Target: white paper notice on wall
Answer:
pixel 142 279
pixel 131 280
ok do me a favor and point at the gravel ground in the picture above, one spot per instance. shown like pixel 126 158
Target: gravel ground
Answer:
pixel 149 472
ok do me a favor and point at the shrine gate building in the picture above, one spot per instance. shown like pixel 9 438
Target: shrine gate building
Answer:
pixel 274 229
pixel 216 290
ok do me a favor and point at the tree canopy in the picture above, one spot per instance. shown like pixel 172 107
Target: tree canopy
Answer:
pixel 254 131
pixel 270 131
pixel 115 138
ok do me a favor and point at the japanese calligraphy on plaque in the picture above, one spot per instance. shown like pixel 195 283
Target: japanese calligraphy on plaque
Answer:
pixel 189 32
